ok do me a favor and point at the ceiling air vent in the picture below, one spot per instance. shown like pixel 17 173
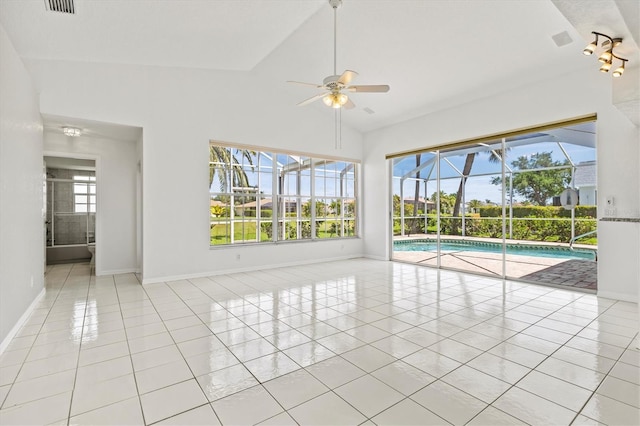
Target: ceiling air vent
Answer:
pixel 64 6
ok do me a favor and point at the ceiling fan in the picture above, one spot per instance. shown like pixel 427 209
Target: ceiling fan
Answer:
pixel 335 86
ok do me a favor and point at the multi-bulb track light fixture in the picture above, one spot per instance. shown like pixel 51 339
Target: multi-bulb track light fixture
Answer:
pixel 608 55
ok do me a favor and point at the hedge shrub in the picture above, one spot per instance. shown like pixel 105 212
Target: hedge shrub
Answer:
pixel 524 224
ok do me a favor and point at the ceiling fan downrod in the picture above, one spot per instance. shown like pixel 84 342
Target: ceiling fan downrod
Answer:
pixel 335 4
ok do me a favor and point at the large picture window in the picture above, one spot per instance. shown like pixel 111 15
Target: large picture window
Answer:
pixel 267 196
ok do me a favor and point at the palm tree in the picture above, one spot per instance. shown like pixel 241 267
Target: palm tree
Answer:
pixel 495 156
pixel 416 197
pixel 475 205
pixel 220 158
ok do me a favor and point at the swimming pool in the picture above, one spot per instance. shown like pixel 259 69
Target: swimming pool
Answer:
pixel 487 247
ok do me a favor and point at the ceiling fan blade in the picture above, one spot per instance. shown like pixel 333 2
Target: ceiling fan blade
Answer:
pixel 301 83
pixel 312 99
pixel 370 88
pixel 349 104
pixel 347 76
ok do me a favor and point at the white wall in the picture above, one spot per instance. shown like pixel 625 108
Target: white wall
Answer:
pixel 618 243
pixel 574 95
pixel 180 110
pixel 116 168
pixel 21 191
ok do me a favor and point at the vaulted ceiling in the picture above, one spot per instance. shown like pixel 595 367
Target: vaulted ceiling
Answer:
pixel 434 54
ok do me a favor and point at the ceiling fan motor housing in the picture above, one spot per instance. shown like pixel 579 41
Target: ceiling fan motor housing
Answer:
pixel 332 82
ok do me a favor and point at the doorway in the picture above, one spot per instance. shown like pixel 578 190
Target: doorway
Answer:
pixel 71 207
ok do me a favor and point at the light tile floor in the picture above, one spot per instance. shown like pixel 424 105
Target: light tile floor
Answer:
pixel 349 342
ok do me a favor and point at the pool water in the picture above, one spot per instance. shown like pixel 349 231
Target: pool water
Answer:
pixel 521 249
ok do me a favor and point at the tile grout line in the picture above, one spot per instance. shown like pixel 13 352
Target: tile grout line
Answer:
pixel 124 327
pixel 75 378
pixel 2 407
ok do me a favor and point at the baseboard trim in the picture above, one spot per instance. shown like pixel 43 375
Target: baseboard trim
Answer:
pixel 373 257
pixel 117 271
pixel 21 321
pixel 246 269
pixel 625 297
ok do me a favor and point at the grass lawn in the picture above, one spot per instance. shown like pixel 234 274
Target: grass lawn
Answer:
pixel 240 233
pixel 247 232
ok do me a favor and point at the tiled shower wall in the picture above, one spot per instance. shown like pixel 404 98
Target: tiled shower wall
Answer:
pixel 69 227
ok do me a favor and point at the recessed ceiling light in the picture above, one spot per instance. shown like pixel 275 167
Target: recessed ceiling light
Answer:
pixel 71 131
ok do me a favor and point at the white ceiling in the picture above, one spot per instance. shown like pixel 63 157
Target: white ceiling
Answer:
pixel 435 54
pixel 220 34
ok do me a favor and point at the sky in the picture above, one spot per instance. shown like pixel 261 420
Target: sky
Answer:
pixel 480 187
pixel 477 187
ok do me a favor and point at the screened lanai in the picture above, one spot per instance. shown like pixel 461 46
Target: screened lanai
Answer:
pixel 520 206
pixel 254 192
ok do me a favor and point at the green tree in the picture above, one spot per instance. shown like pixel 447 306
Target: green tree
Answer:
pixel 349 209
pixel 475 205
pixel 220 159
pixel 218 211
pixel 537 186
pixel 320 209
pixel 396 205
pixel 336 207
pixel 446 202
pixel 415 227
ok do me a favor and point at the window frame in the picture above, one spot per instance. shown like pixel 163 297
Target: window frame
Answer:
pixel 87 182
pixel 293 215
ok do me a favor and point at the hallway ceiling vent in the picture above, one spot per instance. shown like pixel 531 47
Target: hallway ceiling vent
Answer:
pixel 64 6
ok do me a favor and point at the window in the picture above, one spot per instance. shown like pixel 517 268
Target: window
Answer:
pixel 84 194
pixel 265 196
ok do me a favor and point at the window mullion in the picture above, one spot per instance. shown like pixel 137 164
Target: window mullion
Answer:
pixel 275 199
pixel 312 172
pixel 258 201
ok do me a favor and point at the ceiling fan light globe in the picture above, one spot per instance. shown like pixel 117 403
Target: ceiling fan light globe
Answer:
pixel 605 67
pixel 589 49
pixel 335 100
pixel 605 57
pixel 619 71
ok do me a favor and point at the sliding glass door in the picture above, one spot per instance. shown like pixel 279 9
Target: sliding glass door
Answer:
pixel 519 207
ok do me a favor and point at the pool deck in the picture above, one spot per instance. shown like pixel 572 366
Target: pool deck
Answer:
pixel 542 270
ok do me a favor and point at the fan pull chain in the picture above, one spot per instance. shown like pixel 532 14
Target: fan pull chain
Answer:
pixel 338 128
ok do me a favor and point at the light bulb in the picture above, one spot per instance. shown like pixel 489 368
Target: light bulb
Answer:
pixel 605 67
pixel 335 100
pixel 605 57
pixel 71 131
pixel 590 49
pixel 619 71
